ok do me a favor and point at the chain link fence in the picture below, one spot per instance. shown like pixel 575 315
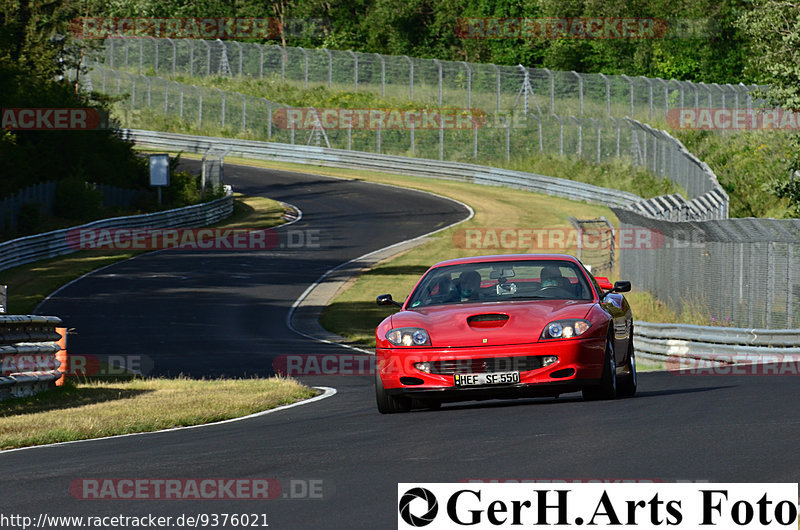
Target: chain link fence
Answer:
pixel 490 87
pixel 744 272
pixel 492 139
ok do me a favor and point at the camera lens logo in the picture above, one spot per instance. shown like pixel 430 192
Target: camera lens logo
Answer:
pixel 405 507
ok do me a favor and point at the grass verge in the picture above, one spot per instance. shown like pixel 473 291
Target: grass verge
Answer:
pixel 94 409
pixel 84 409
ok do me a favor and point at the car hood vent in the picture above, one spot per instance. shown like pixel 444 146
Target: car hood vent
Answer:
pixel 487 320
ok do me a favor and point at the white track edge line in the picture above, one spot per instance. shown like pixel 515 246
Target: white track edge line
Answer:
pixel 319 280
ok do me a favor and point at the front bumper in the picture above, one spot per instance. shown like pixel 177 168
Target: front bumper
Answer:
pixel 579 363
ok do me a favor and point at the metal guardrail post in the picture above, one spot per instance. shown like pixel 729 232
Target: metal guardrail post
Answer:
pixel 580 91
pixel 241 58
pixel 208 56
pixel 305 67
pixel 604 77
pixel 438 64
pixel 650 95
pixel 497 76
pixel 330 66
pixel 552 91
pixel 355 70
pixel 410 76
pixel 469 83
pixel 630 85
pixel 383 74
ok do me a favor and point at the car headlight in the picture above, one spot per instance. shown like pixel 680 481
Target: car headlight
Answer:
pixel 565 329
pixel 408 337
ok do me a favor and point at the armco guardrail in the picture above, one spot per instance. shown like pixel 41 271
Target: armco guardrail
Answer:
pixel 28 348
pixel 303 154
pixel 723 345
pixel 51 244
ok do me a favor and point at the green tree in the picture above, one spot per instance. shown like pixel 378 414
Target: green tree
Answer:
pixel 36 53
pixel 774 29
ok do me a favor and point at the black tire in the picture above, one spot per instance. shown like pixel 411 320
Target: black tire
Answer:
pixel 607 387
pixel 389 404
pixel 627 384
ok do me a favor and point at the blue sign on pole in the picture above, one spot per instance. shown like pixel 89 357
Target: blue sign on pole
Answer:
pixel 159 170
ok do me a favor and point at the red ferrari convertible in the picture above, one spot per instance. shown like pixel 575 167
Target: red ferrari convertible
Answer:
pixel 502 327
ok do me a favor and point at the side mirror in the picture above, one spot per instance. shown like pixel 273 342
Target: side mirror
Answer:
pixel 622 286
pixel 386 299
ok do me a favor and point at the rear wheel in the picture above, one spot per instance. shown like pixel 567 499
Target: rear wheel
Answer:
pixel 389 404
pixel 627 385
pixel 607 387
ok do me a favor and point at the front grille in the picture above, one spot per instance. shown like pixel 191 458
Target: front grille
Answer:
pixel 488 365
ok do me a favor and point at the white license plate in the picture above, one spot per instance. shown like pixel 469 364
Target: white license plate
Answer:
pixel 496 378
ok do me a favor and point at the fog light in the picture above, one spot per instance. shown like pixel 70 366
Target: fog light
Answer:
pixel 548 360
pixel 423 367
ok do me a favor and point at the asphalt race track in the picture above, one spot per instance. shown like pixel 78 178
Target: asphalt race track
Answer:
pixel 209 313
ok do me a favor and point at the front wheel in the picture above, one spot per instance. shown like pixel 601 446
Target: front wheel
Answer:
pixel 607 387
pixel 389 404
pixel 627 386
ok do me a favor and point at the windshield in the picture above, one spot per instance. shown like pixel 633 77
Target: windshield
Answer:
pixel 501 281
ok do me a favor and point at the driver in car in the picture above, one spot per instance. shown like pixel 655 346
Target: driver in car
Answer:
pixel 551 277
pixel 469 284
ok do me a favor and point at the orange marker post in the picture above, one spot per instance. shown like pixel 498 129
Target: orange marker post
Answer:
pixel 61 356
